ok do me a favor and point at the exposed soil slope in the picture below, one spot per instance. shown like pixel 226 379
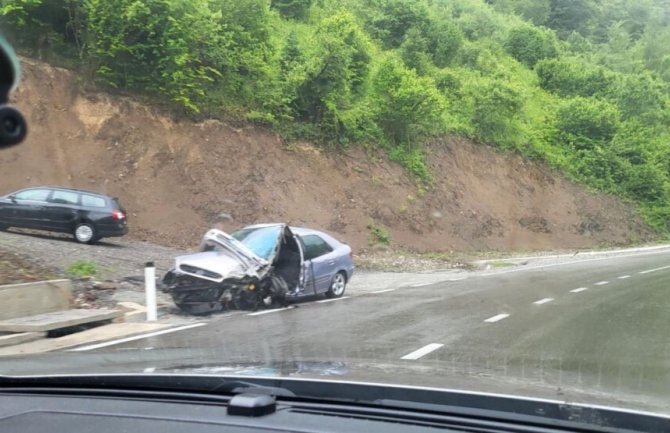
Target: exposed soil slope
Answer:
pixel 177 178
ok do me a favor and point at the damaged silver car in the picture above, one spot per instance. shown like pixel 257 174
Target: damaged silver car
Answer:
pixel 258 266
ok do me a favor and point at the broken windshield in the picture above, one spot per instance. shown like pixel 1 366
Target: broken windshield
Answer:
pixel 262 240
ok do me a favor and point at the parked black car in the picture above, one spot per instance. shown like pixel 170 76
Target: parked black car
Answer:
pixel 88 215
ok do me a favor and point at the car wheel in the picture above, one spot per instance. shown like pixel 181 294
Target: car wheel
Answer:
pixel 84 233
pixel 337 286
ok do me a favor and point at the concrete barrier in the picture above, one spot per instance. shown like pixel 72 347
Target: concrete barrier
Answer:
pixel 30 299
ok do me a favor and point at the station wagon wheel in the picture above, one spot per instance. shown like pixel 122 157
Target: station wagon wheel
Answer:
pixel 84 233
pixel 337 286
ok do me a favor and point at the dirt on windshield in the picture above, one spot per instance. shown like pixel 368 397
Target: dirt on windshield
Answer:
pixel 178 178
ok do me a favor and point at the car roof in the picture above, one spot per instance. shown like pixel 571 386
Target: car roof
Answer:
pixel 65 188
pixel 300 231
pixel 260 226
pixel 304 231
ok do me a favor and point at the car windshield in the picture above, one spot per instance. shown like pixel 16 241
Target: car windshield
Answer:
pixel 262 241
pixel 457 194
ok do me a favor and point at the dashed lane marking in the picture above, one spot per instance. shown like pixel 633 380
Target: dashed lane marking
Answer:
pixel 543 301
pixel 496 318
pixel 581 289
pixel 425 350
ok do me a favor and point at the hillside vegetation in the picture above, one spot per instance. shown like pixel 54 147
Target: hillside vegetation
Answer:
pixel 581 84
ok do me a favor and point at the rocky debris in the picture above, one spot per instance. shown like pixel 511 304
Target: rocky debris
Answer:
pixel 394 261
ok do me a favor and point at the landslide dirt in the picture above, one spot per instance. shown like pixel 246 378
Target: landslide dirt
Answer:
pixel 177 178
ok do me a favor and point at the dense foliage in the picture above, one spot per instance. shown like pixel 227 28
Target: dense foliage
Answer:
pixel 581 84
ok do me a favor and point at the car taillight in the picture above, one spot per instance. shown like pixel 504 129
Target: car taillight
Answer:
pixel 118 215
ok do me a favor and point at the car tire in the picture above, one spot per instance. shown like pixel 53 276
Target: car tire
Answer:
pixel 3 227
pixel 338 285
pixel 84 233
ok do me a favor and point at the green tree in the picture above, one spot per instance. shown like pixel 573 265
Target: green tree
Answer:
pixel 444 41
pixel 529 44
pixel 44 26
pixel 159 46
pixel 567 16
pixel 414 51
pixel 336 73
pixel 296 9
pixel 409 107
pixel 392 19
pixel 535 11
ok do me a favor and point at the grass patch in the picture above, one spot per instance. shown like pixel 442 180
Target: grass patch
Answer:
pixel 379 234
pixel 83 269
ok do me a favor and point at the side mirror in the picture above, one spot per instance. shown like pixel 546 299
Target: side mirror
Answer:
pixel 12 197
pixel 13 126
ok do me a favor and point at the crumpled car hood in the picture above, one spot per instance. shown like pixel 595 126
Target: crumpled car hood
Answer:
pixel 218 262
pixel 232 260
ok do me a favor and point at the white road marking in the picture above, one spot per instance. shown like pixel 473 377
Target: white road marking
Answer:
pixel 601 283
pixel 543 301
pixel 136 337
pixel 581 289
pixel 332 300
pixel 425 350
pixel 649 271
pixel 384 291
pixel 623 277
pixel 274 310
pixel 457 279
pixel 496 318
pixel 150 369
pixel 423 284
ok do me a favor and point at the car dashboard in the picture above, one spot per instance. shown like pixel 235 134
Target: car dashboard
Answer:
pixel 75 406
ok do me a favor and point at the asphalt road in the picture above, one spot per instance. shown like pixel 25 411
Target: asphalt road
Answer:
pixel 593 331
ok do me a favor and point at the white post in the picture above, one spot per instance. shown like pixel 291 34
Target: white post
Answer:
pixel 150 288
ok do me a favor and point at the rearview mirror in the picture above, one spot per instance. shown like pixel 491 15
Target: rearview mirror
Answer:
pixel 13 127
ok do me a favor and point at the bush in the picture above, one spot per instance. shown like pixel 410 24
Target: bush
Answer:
pixel 497 105
pixel 585 122
pixel 572 77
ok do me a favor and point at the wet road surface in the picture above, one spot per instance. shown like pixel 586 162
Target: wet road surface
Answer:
pixel 596 330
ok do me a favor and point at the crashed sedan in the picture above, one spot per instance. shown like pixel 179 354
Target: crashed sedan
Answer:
pixel 259 266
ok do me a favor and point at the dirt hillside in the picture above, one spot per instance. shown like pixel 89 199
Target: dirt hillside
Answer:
pixel 178 178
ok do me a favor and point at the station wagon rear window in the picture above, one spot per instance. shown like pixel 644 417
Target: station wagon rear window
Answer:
pixel 92 201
